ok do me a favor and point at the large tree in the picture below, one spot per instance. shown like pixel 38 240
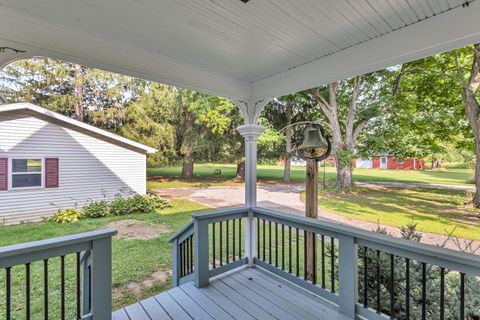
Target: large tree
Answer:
pixel 443 91
pixel 348 106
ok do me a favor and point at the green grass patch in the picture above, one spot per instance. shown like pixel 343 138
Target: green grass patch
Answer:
pixel 433 210
pixel 168 177
pixel 133 260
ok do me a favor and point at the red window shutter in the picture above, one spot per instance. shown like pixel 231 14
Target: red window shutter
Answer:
pixel 51 173
pixel 3 174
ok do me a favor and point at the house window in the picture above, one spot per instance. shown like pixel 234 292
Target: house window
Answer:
pixel 26 173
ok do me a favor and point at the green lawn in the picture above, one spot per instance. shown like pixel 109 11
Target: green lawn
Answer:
pixel 433 210
pixel 133 260
pixel 167 177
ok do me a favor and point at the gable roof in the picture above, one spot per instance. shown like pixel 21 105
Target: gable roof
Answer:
pixel 75 125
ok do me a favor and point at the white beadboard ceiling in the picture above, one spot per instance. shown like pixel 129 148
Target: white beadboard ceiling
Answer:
pixel 255 50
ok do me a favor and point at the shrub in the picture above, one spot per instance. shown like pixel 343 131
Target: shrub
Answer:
pixel 120 206
pixel 137 204
pixel 97 209
pixel 157 202
pixel 67 216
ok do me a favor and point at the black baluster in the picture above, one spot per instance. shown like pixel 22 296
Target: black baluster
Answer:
pixel 323 261
pixel 78 287
pixel 182 257
pixel 264 230
pixel 365 277
pixel 305 254
pixel 62 286
pixel 283 247
pixel 240 238
pixel 228 236
pixel 27 291
pixel 298 254
pixel 314 278
pixel 221 243
pixel 276 244
pixel 407 288
pixel 332 271
pixel 378 282
pixel 270 242
pixel 392 287
pixel 289 249
pixel 442 293
pixel 462 295
pixel 424 290
pixel 187 255
pixel 234 239
pixel 45 289
pixel 258 238
pixel 213 246
pixel 191 253
pixel 8 293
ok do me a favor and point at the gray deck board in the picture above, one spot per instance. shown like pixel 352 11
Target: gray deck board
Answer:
pixel 136 311
pixel 207 304
pixel 154 309
pixel 244 294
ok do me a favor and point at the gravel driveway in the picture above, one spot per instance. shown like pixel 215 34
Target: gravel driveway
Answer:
pixel 286 198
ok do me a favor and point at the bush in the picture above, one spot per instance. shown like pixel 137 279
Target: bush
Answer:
pixel 137 204
pixel 120 206
pixel 97 209
pixel 67 216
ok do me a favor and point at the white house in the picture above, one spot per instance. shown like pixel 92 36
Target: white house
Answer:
pixel 49 161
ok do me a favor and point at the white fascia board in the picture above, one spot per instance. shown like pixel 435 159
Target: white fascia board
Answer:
pixel 74 123
pixel 443 32
pixel 42 39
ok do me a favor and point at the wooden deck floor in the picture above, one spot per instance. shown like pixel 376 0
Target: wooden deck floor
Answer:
pixel 244 294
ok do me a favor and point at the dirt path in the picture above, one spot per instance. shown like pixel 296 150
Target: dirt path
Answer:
pixel 286 198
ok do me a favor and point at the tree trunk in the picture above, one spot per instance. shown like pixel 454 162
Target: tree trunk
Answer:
pixel 79 109
pixel 187 169
pixel 240 175
pixel 476 198
pixel 311 211
pixel 344 174
pixel 288 144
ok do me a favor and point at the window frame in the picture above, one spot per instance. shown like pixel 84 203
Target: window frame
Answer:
pixel 11 173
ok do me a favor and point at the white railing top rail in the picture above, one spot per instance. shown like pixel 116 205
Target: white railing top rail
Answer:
pixel 434 255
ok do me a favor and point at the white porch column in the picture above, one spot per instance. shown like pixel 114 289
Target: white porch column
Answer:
pixel 250 131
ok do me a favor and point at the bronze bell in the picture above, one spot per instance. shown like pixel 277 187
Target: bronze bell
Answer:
pixel 313 139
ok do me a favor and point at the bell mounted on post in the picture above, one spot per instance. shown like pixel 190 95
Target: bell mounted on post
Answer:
pixel 316 143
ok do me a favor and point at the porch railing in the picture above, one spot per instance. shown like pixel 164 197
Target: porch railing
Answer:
pixel 76 281
pixel 360 273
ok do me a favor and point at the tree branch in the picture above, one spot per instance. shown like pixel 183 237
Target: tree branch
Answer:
pixel 358 129
pixel 352 109
pixel 474 80
pixel 324 105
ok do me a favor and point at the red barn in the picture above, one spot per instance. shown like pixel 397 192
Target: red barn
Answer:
pixel 389 162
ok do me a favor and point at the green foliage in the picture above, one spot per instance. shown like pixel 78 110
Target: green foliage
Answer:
pixel 67 216
pixel 137 204
pixel 96 209
pixel 345 157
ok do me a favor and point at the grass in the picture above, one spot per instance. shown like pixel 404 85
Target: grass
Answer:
pixel 433 210
pixel 133 260
pixel 168 177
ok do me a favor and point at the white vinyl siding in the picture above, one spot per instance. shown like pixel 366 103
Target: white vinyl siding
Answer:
pixel 89 168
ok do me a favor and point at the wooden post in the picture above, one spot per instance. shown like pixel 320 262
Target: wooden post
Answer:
pixel 311 210
pixel 347 275
pixel 200 228
pixel 175 263
pixel 101 273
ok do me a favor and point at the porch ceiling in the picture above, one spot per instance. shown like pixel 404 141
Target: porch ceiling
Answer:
pixel 264 48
